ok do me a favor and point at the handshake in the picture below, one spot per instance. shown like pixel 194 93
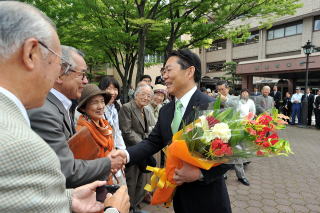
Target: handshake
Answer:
pixel 118 159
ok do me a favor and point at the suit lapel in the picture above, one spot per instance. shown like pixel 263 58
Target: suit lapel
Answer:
pixel 52 98
pixel 137 113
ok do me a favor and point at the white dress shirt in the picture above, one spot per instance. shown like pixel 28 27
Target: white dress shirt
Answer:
pixel 64 100
pixel 296 97
pixel 245 107
pixel 14 98
pixel 186 98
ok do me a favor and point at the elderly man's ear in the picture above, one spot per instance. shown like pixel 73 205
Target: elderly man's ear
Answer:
pixel 31 54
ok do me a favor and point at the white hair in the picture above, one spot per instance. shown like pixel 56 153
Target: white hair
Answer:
pixel 266 87
pixel 139 88
pixel 20 21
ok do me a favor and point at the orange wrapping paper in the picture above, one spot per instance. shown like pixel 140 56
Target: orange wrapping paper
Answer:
pixel 177 152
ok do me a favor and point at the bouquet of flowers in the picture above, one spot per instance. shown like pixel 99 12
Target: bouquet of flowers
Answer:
pixel 218 136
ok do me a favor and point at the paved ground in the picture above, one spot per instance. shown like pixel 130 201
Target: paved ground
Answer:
pixel 278 184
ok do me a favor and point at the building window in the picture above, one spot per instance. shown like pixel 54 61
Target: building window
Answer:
pixel 285 30
pixel 253 38
pixel 215 66
pixel 316 23
pixel 153 58
pixel 218 45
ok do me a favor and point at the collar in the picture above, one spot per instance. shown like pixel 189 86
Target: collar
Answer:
pixel 186 97
pixel 64 100
pixel 14 98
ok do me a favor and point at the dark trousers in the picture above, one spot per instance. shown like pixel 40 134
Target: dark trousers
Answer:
pixel 286 112
pixel 296 111
pixel 309 115
pixel 317 114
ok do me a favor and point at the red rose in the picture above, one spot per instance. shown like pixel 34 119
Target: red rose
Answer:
pixel 266 144
pixel 260 153
pixel 218 153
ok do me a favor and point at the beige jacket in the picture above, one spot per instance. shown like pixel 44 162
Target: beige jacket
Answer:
pixel 30 175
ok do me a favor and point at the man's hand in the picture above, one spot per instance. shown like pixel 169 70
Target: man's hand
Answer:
pixel 84 198
pixel 187 173
pixel 222 97
pixel 119 200
pixel 117 160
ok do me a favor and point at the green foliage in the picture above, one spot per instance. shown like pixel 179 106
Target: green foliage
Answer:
pixel 116 31
pixel 193 139
pixel 230 69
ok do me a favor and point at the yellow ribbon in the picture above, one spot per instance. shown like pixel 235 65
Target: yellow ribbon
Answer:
pixel 158 179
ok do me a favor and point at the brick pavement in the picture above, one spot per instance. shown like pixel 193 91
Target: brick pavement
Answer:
pixel 278 184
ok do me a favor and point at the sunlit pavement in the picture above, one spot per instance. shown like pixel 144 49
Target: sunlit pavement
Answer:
pixel 278 184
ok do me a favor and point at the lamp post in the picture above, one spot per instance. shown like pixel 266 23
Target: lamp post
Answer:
pixel 307 49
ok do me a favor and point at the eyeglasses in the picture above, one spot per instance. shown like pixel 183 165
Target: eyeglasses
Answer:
pixel 65 65
pixel 82 74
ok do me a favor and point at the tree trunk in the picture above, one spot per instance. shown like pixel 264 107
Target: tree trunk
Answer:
pixel 141 54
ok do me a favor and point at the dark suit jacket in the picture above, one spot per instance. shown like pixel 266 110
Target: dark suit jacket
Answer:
pixel 276 97
pixel 51 122
pixel 207 196
pixel 310 100
pixel 317 102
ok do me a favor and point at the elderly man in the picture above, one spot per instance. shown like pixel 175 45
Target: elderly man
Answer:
pixel 53 123
pixel 136 122
pixel 30 175
pixel 264 102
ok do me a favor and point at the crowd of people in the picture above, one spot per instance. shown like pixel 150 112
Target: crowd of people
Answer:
pixel 289 104
pixel 46 101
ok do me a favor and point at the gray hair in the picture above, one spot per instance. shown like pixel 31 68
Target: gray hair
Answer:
pixel 67 54
pixel 20 21
pixel 139 88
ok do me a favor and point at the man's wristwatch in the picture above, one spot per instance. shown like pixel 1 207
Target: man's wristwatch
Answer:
pixel 110 209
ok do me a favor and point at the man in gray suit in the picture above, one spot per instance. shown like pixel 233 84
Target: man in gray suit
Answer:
pixel 30 175
pixel 264 102
pixel 136 122
pixel 53 123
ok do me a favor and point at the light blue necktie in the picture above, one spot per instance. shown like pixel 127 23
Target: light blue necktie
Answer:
pixel 177 117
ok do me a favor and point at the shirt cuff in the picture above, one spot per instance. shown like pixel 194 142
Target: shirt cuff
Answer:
pixel 111 210
pixel 128 156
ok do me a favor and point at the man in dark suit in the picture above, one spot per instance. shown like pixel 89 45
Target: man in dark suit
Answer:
pixel 53 123
pixel 310 98
pixel 317 109
pixel 276 96
pixel 199 190
pixel 159 79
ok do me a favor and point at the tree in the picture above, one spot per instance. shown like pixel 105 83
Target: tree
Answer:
pixel 121 32
pixel 230 73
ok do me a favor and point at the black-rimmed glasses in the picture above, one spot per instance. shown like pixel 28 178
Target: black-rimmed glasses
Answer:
pixel 83 73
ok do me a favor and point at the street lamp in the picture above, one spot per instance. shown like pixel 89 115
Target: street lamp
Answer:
pixel 307 49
